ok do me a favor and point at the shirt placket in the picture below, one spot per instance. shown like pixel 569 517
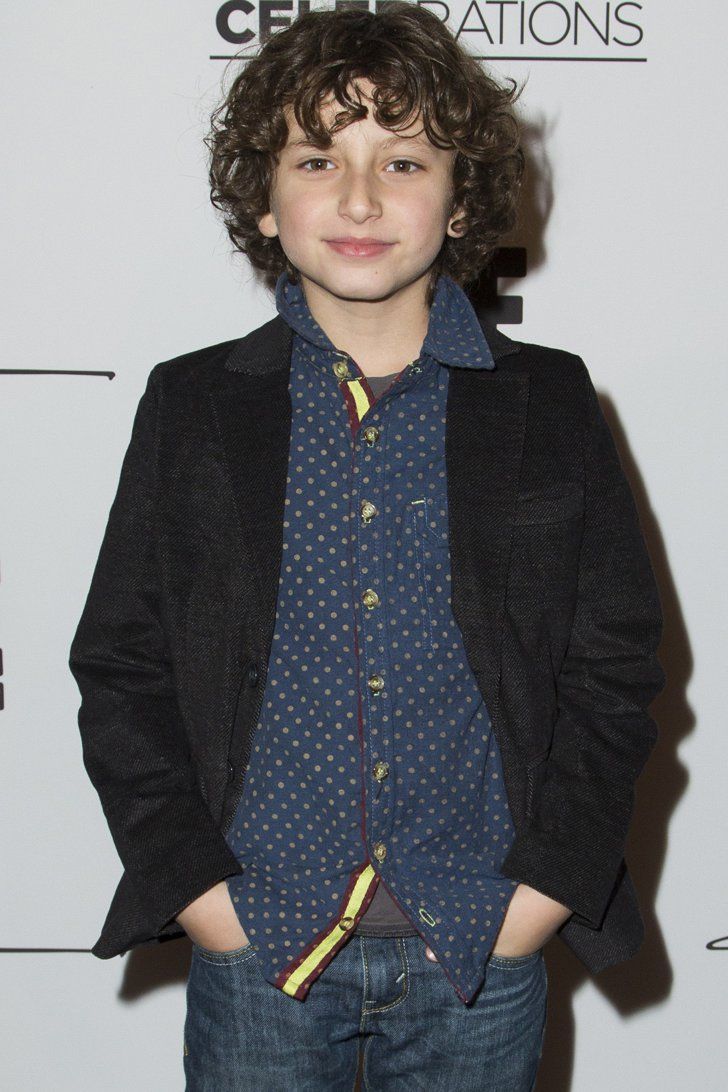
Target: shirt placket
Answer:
pixel 296 978
pixel 368 543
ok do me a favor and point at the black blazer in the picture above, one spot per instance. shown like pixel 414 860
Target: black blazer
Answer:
pixel 552 588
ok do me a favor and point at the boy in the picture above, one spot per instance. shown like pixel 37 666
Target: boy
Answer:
pixel 366 659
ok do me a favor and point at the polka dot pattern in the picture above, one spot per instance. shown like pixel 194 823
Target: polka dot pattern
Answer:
pixel 374 746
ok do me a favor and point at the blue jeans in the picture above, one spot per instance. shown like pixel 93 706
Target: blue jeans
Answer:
pixel 241 1033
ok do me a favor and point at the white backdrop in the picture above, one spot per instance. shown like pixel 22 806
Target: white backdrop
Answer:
pixel 115 261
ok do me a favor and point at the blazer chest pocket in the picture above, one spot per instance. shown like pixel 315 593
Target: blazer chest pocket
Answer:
pixel 538 507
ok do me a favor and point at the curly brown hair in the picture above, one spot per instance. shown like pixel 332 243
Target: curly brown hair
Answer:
pixel 416 66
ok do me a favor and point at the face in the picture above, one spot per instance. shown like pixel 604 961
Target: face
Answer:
pixel 371 183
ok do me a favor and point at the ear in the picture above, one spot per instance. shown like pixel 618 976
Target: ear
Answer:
pixel 460 230
pixel 267 225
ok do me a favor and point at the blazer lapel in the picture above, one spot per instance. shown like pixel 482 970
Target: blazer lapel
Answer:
pixel 486 422
pixel 252 408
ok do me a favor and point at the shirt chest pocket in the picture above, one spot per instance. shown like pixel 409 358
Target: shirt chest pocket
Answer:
pixel 427 576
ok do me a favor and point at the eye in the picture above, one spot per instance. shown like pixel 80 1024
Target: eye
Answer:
pixel 321 159
pixel 317 159
pixel 411 163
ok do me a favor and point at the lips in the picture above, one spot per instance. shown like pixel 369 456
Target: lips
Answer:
pixel 358 249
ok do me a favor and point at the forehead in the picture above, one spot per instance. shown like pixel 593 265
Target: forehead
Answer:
pixel 387 140
pixel 413 134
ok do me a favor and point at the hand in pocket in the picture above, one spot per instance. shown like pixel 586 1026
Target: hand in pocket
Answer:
pixel 530 921
pixel 211 921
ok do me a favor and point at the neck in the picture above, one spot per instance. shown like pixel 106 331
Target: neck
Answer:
pixel 382 336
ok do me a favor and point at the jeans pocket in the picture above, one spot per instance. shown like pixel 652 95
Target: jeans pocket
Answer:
pixel 235 955
pixel 511 962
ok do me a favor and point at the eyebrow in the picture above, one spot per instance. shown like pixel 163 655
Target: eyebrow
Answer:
pixel 396 139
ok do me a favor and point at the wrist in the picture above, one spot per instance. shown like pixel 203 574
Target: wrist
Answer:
pixel 541 906
pixel 206 907
pixel 530 921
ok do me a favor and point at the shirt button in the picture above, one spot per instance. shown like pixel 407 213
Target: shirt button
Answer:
pixel 371 434
pixel 367 510
pixel 341 369
pixel 346 923
pixel 376 683
pixel 380 851
pixel 370 598
pixel 381 769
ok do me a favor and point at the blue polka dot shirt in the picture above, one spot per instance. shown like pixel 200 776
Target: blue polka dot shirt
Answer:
pixel 374 759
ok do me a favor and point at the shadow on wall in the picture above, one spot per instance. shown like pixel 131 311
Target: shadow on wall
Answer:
pixel 645 979
pixel 523 250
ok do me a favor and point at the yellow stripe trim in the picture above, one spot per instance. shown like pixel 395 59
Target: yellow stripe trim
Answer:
pixel 334 935
pixel 360 399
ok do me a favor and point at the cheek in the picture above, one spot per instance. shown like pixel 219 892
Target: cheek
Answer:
pixel 424 214
pixel 312 207
pixel 298 222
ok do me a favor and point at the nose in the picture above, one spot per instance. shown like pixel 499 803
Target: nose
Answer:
pixel 359 197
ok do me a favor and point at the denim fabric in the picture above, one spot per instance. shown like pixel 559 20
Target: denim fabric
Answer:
pixel 380 995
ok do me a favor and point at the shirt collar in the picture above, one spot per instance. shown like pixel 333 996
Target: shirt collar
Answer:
pixel 454 334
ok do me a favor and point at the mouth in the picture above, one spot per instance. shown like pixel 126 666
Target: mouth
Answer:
pixel 358 248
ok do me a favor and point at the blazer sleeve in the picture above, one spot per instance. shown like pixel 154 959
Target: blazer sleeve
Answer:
pixel 572 847
pixel 133 739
